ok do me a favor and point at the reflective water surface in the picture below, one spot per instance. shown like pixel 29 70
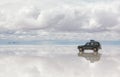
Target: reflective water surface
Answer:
pixel 91 56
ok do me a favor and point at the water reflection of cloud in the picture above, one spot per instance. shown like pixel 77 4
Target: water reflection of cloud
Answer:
pixel 107 66
pixel 58 61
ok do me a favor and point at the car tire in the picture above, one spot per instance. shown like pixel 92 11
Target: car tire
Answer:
pixel 81 50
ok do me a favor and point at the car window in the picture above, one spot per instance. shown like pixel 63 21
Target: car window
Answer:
pixel 92 43
pixel 96 43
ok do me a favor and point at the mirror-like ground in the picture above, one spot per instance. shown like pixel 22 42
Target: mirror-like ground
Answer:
pixel 58 61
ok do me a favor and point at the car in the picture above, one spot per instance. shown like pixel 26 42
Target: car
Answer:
pixel 91 45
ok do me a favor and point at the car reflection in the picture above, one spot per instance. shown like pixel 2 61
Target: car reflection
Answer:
pixel 91 56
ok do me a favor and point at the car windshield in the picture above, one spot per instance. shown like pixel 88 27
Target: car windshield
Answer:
pixel 87 44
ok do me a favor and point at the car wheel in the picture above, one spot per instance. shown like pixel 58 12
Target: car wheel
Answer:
pixel 80 49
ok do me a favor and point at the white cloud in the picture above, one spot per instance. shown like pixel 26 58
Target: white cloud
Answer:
pixel 89 19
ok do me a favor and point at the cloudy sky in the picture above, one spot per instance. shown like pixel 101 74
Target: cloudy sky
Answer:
pixel 60 19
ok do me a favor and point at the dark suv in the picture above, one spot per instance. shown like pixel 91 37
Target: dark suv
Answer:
pixel 92 45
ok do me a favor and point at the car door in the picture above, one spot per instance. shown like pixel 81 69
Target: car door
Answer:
pixel 87 45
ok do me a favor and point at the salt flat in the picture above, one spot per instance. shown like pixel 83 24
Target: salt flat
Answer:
pixel 58 61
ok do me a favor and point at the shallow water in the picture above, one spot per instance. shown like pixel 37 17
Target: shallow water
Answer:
pixel 58 61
